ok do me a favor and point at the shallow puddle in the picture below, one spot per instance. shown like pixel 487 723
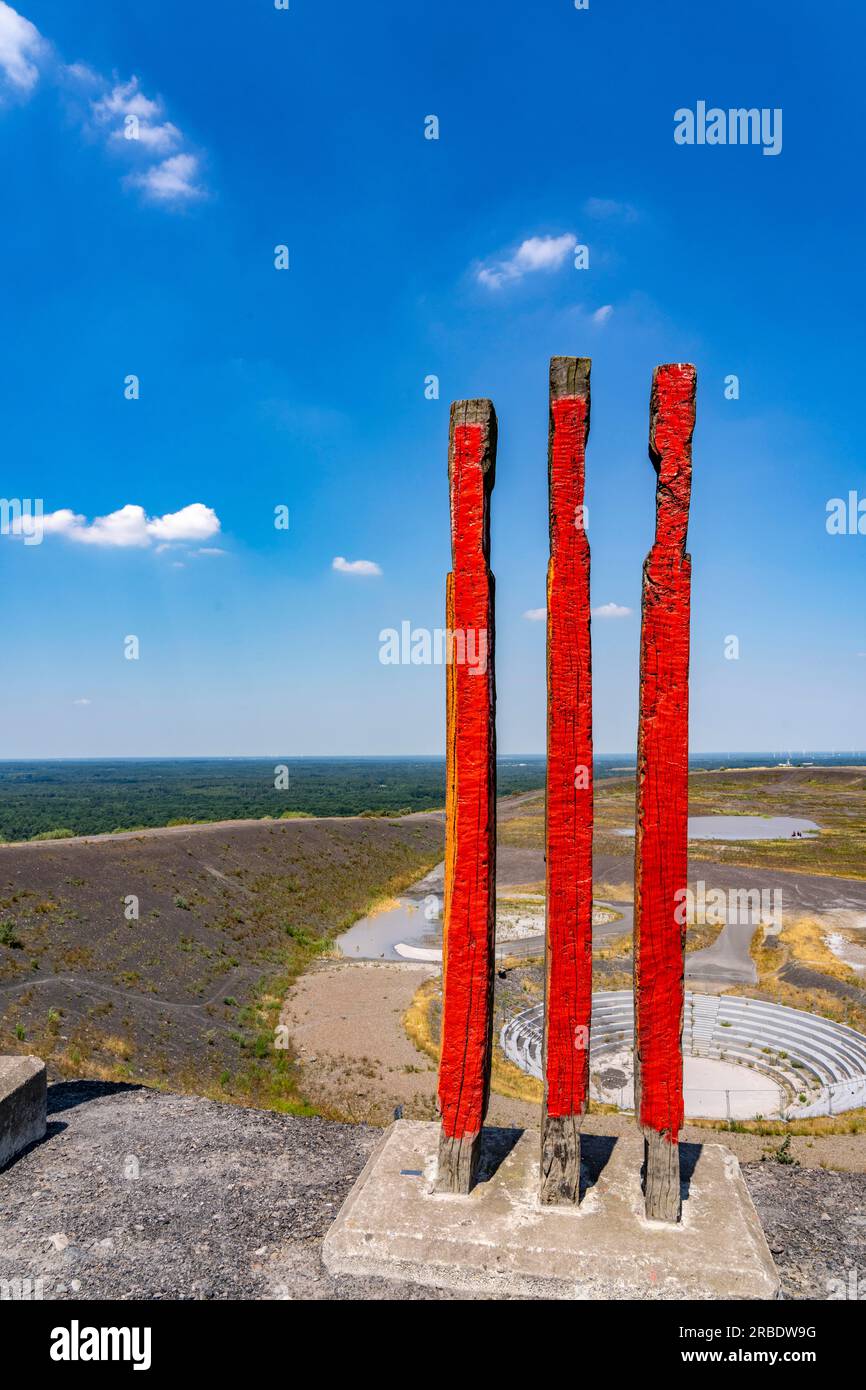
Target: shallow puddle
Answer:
pixel 746 828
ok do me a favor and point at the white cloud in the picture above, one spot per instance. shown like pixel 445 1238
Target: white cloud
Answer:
pixel 535 615
pixel 603 314
pixel 536 253
pixel 59 522
pixel 82 701
pixel 611 610
pixel 120 112
pixel 172 181
pixel 139 116
pixel 21 44
pixel 608 208
pixel 126 99
pixel 210 550
pixel 125 527
pixel 130 526
pixel 80 72
pixel 193 523
pixel 158 138
pixel 345 566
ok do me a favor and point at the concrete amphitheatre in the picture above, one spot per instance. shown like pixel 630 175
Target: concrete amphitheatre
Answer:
pixel 743 1058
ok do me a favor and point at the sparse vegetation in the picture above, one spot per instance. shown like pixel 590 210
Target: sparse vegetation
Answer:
pixel 9 936
pixel 195 987
pixel 422 1023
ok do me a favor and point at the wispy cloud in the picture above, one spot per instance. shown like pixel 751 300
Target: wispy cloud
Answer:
pixel 134 124
pixel 82 701
pixel 126 103
pixel 130 122
pixel 607 209
pixel 611 610
pixel 603 314
pixel 606 610
pixel 344 566
pixel 129 526
pixel 172 181
pixel 535 254
pixel 22 47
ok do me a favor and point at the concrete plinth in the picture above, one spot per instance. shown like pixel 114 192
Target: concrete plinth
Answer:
pixel 501 1241
pixel 23 1093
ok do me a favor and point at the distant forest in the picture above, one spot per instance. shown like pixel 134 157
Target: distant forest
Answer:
pixel 52 799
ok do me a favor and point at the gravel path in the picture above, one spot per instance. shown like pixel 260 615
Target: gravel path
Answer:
pixel 233 1204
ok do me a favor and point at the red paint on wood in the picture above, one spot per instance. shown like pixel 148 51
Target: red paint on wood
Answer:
pixel 468 941
pixel 661 843
pixel 569 818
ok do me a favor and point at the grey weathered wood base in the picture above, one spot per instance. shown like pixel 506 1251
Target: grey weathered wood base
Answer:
pixel 663 1201
pixel 560 1159
pixel 457 1163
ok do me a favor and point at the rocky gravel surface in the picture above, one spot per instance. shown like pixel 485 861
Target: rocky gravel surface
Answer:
pixel 140 1194
pixel 815 1224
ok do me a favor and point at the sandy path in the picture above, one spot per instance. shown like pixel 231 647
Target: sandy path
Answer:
pixel 346 1021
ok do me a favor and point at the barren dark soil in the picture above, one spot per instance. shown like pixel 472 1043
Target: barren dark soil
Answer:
pixel 189 991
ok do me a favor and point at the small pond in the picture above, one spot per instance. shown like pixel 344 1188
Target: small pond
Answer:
pixel 746 828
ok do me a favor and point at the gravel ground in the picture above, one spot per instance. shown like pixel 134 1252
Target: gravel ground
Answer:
pixel 136 1193
pixel 815 1224
pixel 228 1203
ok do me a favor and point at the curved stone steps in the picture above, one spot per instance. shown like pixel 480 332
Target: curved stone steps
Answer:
pixel 802 1053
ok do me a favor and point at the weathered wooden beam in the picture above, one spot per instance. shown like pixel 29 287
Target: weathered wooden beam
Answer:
pixel 470 808
pixel 661 828
pixel 568 819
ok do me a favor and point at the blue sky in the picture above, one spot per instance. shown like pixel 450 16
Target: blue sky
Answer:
pixel 260 127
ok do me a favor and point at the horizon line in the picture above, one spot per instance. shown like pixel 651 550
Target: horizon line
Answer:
pixel 395 757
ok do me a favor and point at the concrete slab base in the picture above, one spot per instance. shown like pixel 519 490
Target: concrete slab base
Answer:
pixel 23 1100
pixel 500 1241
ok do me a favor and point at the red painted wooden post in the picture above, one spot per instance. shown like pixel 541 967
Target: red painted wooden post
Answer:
pixel 470 830
pixel 661 830
pixel 568 821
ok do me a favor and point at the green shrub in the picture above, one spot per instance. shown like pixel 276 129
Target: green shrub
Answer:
pixel 8 936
